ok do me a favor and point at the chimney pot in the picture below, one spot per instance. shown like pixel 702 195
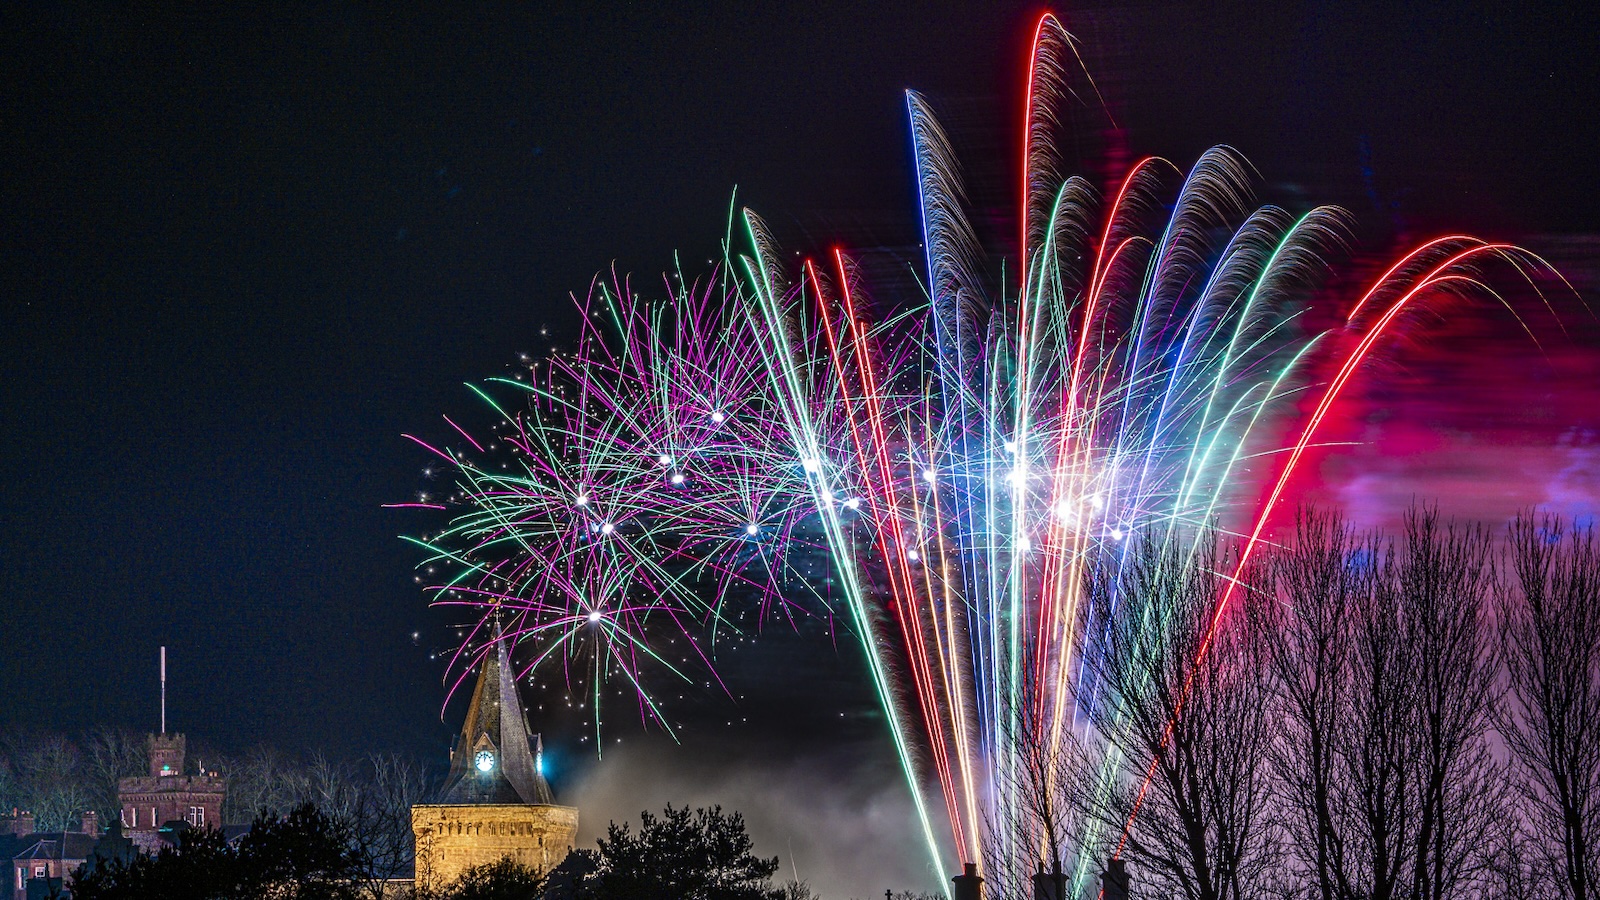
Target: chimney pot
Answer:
pixel 18 823
pixel 1114 880
pixel 968 885
pixel 1051 885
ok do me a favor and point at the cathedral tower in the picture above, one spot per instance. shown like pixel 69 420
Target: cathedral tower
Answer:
pixel 496 802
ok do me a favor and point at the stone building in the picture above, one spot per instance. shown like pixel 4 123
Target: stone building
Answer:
pixel 167 795
pixel 42 862
pixel 496 802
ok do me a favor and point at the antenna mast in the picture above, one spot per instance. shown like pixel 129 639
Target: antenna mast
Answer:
pixel 163 690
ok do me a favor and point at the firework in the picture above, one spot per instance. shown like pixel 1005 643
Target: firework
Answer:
pixel 628 489
pixel 1152 366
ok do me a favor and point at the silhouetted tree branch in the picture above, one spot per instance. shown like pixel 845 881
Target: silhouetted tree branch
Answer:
pixel 1180 695
pixel 1550 635
pixel 1384 675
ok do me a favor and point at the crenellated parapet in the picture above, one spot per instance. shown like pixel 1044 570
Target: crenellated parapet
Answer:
pixel 452 838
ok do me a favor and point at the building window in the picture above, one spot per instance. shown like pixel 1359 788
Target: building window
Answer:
pixel 154 822
pixel 38 871
pixel 200 816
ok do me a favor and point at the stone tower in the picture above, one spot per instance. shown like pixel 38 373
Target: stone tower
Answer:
pixel 496 802
pixel 168 795
pixel 166 754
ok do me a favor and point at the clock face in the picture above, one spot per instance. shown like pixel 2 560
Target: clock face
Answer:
pixel 484 760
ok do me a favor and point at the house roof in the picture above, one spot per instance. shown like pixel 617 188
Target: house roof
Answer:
pixel 68 845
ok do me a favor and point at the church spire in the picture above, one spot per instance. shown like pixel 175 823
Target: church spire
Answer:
pixel 494 759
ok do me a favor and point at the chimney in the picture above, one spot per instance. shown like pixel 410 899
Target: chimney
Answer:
pixel 17 823
pixel 91 822
pixel 968 885
pixel 1114 881
pixel 1050 885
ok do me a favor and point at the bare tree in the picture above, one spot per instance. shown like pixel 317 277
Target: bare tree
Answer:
pixel 1046 777
pixel 112 754
pixel 1374 788
pixel 380 823
pixel 58 778
pixel 331 786
pixel 260 781
pixel 1384 675
pixel 371 800
pixel 1445 583
pixel 1550 636
pixel 52 773
pixel 1514 869
pixel 10 785
pixel 1303 627
pixel 1178 692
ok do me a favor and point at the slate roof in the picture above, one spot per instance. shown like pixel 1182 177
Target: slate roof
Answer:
pixel 68 845
pixel 497 722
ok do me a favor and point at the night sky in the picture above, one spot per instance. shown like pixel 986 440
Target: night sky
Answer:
pixel 242 253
